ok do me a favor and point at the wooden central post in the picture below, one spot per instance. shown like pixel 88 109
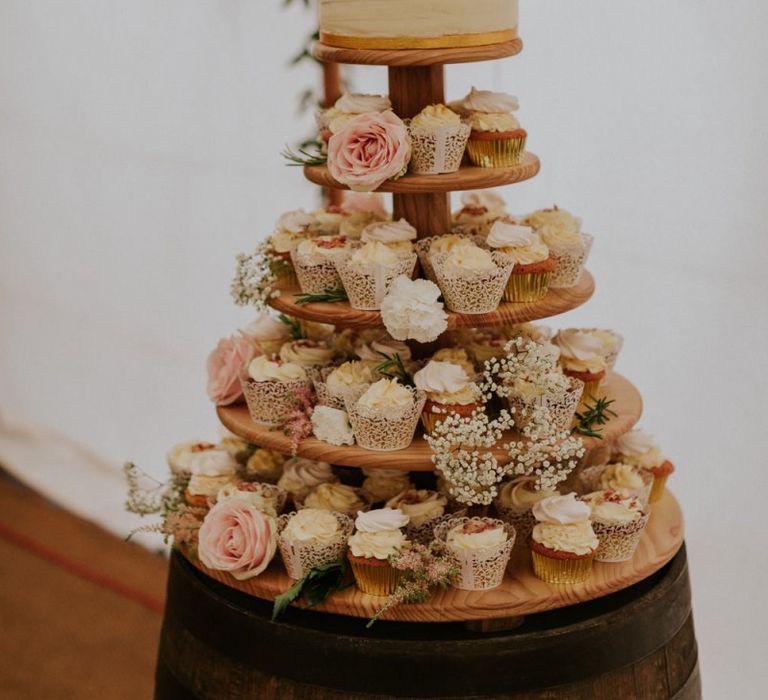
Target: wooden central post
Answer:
pixel 411 88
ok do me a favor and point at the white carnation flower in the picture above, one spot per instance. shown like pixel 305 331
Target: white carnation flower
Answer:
pixel 332 425
pixel 411 310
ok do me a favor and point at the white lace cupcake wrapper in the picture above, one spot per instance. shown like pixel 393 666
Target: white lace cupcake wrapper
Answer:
pixel 384 431
pixel 300 557
pixel 562 405
pixel 425 533
pixel 438 150
pixel 618 542
pixel 483 569
pixel 422 250
pixel 472 292
pixel 367 285
pixel 271 402
pixel 570 262
pixel 589 479
pixel 316 274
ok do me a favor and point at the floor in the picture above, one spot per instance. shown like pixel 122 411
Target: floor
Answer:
pixel 80 608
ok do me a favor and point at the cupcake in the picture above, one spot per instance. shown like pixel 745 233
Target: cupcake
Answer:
pixel 569 248
pixel 301 475
pixel 240 449
pixel 312 537
pixel 268 332
pixel 438 245
pixel 313 261
pixel 457 356
pixel 329 220
pixel 552 390
pixel 471 279
pixel 383 484
pixel 618 522
pixel 396 235
pixel 335 497
pixel 377 537
pixel 268 498
pixel 270 388
pixel 627 479
pixel 353 225
pixel 514 502
pixel 306 353
pixel 487 344
pixel 210 471
pixel 563 543
pixel 292 228
pixel 533 266
pixel 496 139
pixel 478 212
pixel 438 138
pixel 449 391
pixel 349 105
pixel 381 345
pixel 424 509
pixel 582 357
pixel 332 383
pixel 369 271
pixel 385 416
pixel 612 343
pixel 480 548
pixel 181 456
pixel 264 465
pixel 639 449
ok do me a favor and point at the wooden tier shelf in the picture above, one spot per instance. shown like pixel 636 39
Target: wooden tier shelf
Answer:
pixel 417 57
pixel 466 178
pixel 418 456
pixel 521 593
pixel 557 301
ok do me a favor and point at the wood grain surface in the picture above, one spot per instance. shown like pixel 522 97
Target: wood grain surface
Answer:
pixel 466 178
pixel 417 57
pixel 521 593
pixel 418 456
pixel 557 301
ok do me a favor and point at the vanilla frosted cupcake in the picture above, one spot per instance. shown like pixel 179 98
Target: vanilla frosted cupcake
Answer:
pixel 398 236
pixel 351 376
pixel 180 457
pixel 355 223
pixel 377 537
pixel 329 220
pixel 612 343
pixel 552 390
pixel 271 386
pixel 438 138
pixel 268 332
pixel 449 391
pixel 457 356
pixel 618 521
pixel 264 465
pixel 210 470
pixel 335 497
pixel 349 105
pixel 582 357
pixel 382 344
pixel 383 484
pixel 563 543
pixel 306 353
pixel 471 279
pixel 368 273
pixel 533 266
pixel 561 231
pixel 639 449
pixel 384 417
pixel 424 508
pixel 480 208
pixel 267 498
pixel 301 475
pixel 313 260
pixel 312 537
pixel 496 140
pixel 438 246
pixel 627 479
pixel 514 502
pixel 480 547
pixel 292 227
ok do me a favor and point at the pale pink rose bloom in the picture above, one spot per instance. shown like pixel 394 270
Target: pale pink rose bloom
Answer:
pixel 225 365
pixel 237 537
pixel 369 149
pixel 364 202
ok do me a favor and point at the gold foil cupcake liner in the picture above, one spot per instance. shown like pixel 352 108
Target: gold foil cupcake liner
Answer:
pixel 496 153
pixel 657 488
pixel 618 542
pixel 437 150
pixel 271 402
pixel 526 287
pixel 299 557
pixel 560 571
pixel 590 390
pixel 375 579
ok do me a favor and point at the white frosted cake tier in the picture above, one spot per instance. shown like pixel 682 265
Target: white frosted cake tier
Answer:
pixel 416 24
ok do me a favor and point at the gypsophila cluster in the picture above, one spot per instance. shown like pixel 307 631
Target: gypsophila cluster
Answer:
pixel 526 361
pixel 462 453
pixel 254 278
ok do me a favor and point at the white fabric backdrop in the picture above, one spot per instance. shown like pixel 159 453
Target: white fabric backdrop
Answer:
pixel 139 152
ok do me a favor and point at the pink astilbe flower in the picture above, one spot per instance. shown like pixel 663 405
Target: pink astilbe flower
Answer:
pixel 298 425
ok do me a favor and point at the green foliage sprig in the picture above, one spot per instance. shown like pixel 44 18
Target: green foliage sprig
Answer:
pixel 302 156
pixel 315 587
pixel 597 413
pixel 393 368
pixel 329 296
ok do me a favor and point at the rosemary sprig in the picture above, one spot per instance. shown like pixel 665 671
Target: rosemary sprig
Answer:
pixel 330 296
pixel 595 413
pixel 297 333
pixel 316 585
pixel 303 156
pixel 393 368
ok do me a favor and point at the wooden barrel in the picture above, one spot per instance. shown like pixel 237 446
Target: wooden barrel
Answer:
pixel 218 643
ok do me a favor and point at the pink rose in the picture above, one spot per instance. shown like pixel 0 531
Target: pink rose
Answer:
pixel 237 537
pixel 369 149
pixel 366 203
pixel 225 365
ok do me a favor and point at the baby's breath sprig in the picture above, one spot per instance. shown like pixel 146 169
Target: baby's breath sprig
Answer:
pixel 254 279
